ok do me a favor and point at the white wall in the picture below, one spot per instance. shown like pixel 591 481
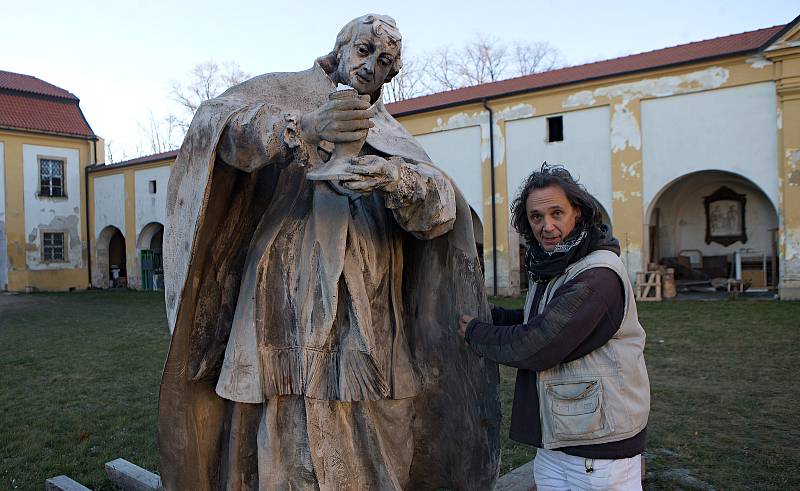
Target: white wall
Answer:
pixel 109 203
pixel 151 207
pixel 726 129
pixel 3 243
pixel 458 153
pixel 52 214
pixel 585 150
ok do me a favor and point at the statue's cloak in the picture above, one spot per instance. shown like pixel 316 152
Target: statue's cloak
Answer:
pixel 212 212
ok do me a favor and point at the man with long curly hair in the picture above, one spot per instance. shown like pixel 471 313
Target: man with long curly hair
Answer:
pixel 582 394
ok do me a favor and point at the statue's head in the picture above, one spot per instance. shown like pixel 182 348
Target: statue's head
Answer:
pixel 367 53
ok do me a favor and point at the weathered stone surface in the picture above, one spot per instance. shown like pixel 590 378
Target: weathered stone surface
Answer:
pixel 63 483
pixel 520 479
pixel 313 322
pixel 130 477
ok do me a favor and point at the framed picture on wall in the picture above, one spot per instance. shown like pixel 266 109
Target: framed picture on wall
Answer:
pixel 725 217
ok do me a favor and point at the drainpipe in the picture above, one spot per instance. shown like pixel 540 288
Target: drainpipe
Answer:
pixel 491 182
pixel 86 206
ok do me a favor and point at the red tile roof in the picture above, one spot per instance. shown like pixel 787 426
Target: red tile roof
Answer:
pixel 27 83
pixel 150 158
pixel 171 154
pixel 685 53
pixel 28 103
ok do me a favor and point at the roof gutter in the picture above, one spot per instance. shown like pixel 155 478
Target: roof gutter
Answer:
pixel 492 186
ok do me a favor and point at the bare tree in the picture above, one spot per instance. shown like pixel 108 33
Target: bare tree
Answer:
pixel 483 60
pixel 408 83
pixel 206 80
pixel 112 153
pixel 535 57
pixel 443 70
pixel 487 59
pixel 162 134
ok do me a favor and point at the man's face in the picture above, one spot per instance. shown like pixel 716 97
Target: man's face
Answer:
pixel 551 216
pixel 365 63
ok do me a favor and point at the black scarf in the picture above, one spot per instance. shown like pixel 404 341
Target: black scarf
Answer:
pixel 544 265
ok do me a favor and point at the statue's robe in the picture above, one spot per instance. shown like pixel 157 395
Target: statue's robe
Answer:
pixel 412 393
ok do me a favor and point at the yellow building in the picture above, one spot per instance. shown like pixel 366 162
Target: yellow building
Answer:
pixel 692 151
pixel 45 145
pixel 126 216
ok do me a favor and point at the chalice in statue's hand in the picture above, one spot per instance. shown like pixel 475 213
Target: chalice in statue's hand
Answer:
pixel 335 168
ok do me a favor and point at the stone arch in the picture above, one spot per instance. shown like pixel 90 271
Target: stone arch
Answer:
pixel 110 254
pixel 675 229
pixel 150 238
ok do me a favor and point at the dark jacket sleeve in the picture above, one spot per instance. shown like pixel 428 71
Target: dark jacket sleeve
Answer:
pixel 583 314
pixel 507 317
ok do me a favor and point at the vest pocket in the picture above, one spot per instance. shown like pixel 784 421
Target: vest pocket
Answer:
pixel 577 410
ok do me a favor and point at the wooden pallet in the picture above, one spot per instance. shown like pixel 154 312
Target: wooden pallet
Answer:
pixel 648 286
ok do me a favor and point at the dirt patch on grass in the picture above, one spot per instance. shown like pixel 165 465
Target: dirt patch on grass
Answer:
pixel 12 302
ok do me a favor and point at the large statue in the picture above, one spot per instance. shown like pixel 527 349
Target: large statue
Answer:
pixel 316 264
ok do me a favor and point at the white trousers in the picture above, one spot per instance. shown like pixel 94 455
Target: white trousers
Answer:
pixel 557 471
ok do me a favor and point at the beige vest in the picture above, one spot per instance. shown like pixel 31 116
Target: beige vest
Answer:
pixel 605 395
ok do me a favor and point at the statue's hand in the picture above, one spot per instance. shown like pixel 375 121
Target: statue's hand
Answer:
pixel 338 121
pixel 370 172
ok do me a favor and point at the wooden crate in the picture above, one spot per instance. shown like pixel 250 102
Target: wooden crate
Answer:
pixel 648 286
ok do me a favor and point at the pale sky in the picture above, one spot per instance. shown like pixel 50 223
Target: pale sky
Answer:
pixel 119 58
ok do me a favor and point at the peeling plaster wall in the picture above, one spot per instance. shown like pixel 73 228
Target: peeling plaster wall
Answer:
pixel 3 242
pixel 624 127
pixel 52 214
pixel 458 153
pixel 466 119
pixel 151 207
pixel 478 192
pixel 791 229
pixel 584 151
pixel 728 129
pixel 109 203
pixel 109 210
pixel 716 120
pixel 625 133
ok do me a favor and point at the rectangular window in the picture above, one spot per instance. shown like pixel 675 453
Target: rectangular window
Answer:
pixel 555 129
pixel 51 178
pixel 152 187
pixel 53 246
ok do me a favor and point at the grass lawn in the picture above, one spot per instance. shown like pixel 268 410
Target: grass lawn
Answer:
pixel 79 374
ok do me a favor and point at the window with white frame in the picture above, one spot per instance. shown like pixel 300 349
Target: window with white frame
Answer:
pixel 53 247
pixel 51 177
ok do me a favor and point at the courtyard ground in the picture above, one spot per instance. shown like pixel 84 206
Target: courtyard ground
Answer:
pixel 79 376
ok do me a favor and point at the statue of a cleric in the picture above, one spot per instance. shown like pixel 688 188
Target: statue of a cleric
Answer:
pixel 317 262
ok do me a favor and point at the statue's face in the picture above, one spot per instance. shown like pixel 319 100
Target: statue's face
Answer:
pixel 366 61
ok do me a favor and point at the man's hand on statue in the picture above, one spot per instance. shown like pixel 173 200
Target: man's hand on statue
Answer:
pixel 463 322
pixel 371 172
pixel 338 121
